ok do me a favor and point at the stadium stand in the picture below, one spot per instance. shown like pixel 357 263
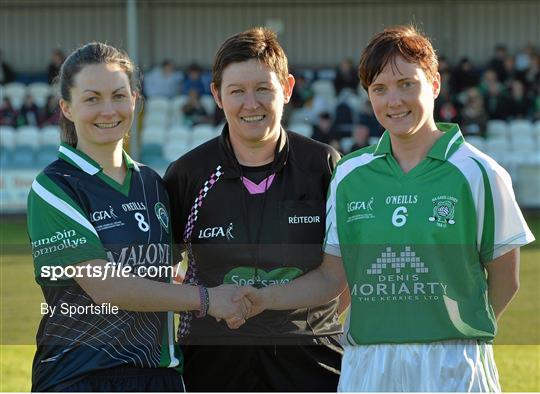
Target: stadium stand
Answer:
pixel 16 92
pixel 40 91
pixel 167 133
pixel 304 129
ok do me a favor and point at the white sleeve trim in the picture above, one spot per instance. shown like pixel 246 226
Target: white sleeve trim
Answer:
pixel 332 249
pixel 62 206
pixel 512 243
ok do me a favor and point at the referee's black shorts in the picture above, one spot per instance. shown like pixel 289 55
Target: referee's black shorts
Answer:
pixel 282 368
pixel 127 379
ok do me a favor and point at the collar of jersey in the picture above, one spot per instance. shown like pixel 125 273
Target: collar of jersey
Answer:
pixel 84 162
pixel 230 163
pixel 443 148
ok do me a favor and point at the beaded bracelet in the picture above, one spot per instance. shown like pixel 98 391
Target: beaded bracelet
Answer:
pixel 205 302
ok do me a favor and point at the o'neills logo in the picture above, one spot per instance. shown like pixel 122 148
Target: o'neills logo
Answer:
pixel 134 206
pixel 398 277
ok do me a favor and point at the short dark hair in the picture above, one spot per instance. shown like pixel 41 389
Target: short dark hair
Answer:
pixel 405 41
pixel 92 53
pixel 257 43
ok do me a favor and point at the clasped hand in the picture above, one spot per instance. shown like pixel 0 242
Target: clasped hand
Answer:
pixel 235 304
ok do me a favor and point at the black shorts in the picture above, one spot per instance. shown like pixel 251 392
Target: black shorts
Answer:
pixel 282 368
pixel 127 379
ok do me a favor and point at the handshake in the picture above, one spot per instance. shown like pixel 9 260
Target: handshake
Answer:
pixel 235 304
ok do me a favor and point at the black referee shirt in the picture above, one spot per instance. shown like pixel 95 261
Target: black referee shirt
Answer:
pixel 220 221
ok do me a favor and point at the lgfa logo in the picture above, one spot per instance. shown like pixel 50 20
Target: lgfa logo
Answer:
pixel 97 216
pixel 360 210
pixel 215 232
pixel 353 206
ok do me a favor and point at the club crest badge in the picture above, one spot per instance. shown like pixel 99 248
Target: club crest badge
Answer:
pixel 162 215
pixel 444 208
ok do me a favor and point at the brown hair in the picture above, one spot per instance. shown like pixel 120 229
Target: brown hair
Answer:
pixel 257 43
pixel 386 46
pixel 92 53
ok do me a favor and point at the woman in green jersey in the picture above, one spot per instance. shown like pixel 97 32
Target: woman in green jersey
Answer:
pixel 426 230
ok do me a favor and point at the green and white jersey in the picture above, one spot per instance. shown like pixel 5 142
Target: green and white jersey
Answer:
pixel 77 213
pixel 415 245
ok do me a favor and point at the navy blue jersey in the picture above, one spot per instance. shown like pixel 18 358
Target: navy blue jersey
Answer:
pixel 77 213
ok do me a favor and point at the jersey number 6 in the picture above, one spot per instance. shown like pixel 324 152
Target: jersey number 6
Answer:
pixel 399 217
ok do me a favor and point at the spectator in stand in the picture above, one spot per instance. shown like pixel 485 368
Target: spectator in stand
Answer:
pixel 519 105
pixel 446 110
pixel 463 77
pixel 533 73
pixel 314 106
pixel 523 61
pixel 50 114
pixel 194 80
pixel 194 111
pixel 324 131
pixel 301 93
pixel 473 115
pixel 360 136
pixel 29 113
pixel 536 104
pixel 6 72
pixel 346 76
pixel 57 58
pixel 367 118
pixel 163 81
pixel 8 114
pixel 446 75
pixel 495 99
pixel 510 68
pixel 344 115
pixel 497 62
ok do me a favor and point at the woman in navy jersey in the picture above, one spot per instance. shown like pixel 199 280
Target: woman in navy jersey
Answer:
pixel 101 241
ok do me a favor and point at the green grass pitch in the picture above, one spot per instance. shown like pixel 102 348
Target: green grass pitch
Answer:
pixel 517 349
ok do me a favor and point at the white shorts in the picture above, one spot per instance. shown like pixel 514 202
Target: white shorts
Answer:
pixel 458 365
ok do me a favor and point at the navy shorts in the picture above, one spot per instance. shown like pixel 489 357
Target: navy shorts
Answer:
pixel 269 368
pixel 127 379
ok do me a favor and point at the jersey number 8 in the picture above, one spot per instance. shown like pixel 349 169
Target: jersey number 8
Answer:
pixel 143 226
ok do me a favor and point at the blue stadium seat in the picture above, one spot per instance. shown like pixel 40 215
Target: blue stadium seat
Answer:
pixel 45 155
pixel 22 157
pixel 152 155
pixel 5 157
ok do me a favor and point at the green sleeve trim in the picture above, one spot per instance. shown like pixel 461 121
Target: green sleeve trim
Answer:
pixel 487 242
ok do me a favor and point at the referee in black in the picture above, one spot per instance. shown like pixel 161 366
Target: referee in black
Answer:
pixel 248 207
